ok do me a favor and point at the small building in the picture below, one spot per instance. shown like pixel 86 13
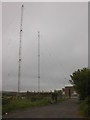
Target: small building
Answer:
pixel 70 91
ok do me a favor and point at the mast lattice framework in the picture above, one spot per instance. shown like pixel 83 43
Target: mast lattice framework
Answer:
pixel 20 50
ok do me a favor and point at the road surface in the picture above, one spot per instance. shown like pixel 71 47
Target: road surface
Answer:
pixel 66 109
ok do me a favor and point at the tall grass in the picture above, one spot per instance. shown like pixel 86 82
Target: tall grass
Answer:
pixel 85 108
pixel 23 103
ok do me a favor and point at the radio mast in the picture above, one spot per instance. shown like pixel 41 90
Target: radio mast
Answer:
pixel 20 50
pixel 38 61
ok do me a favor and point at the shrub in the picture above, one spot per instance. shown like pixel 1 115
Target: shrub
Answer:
pixel 6 100
pixel 81 81
pixel 36 98
pixel 85 107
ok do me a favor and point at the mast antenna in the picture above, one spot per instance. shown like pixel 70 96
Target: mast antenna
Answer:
pixel 38 61
pixel 20 50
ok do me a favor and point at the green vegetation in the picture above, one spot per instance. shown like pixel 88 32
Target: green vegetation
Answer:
pixel 13 103
pixel 81 82
pixel 23 103
pixel 85 108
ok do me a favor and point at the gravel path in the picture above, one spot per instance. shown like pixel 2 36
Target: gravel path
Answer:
pixel 66 109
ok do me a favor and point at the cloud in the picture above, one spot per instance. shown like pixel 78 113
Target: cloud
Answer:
pixel 63 43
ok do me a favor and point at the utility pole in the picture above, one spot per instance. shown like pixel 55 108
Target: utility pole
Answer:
pixel 38 61
pixel 20 50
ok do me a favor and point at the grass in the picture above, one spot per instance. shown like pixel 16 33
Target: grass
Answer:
pixel 84 109
pixel 18 104
pixel 23 103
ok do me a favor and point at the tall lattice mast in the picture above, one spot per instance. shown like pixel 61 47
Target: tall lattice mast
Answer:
pixel 38 61
pixel 20 50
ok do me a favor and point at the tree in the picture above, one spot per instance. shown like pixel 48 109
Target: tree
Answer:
pixel 81 81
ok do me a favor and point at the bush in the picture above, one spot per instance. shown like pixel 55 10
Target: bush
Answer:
pixel 35 98
pixel 81 81
pixel 85 107
pixel 6 100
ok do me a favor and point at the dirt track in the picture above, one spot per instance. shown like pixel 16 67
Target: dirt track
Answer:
pixel 66 109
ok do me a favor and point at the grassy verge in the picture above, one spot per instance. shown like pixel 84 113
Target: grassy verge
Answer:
pixel 22 103
pixel 18 104
pixel 84 109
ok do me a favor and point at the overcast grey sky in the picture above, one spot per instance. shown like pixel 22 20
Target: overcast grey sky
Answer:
pixel 63 42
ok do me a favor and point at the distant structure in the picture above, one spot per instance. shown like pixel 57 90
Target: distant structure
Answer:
pixel 69 91
pixel 20 50
pixel 38 61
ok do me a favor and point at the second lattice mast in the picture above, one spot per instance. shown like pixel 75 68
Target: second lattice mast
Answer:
pixel 38 61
